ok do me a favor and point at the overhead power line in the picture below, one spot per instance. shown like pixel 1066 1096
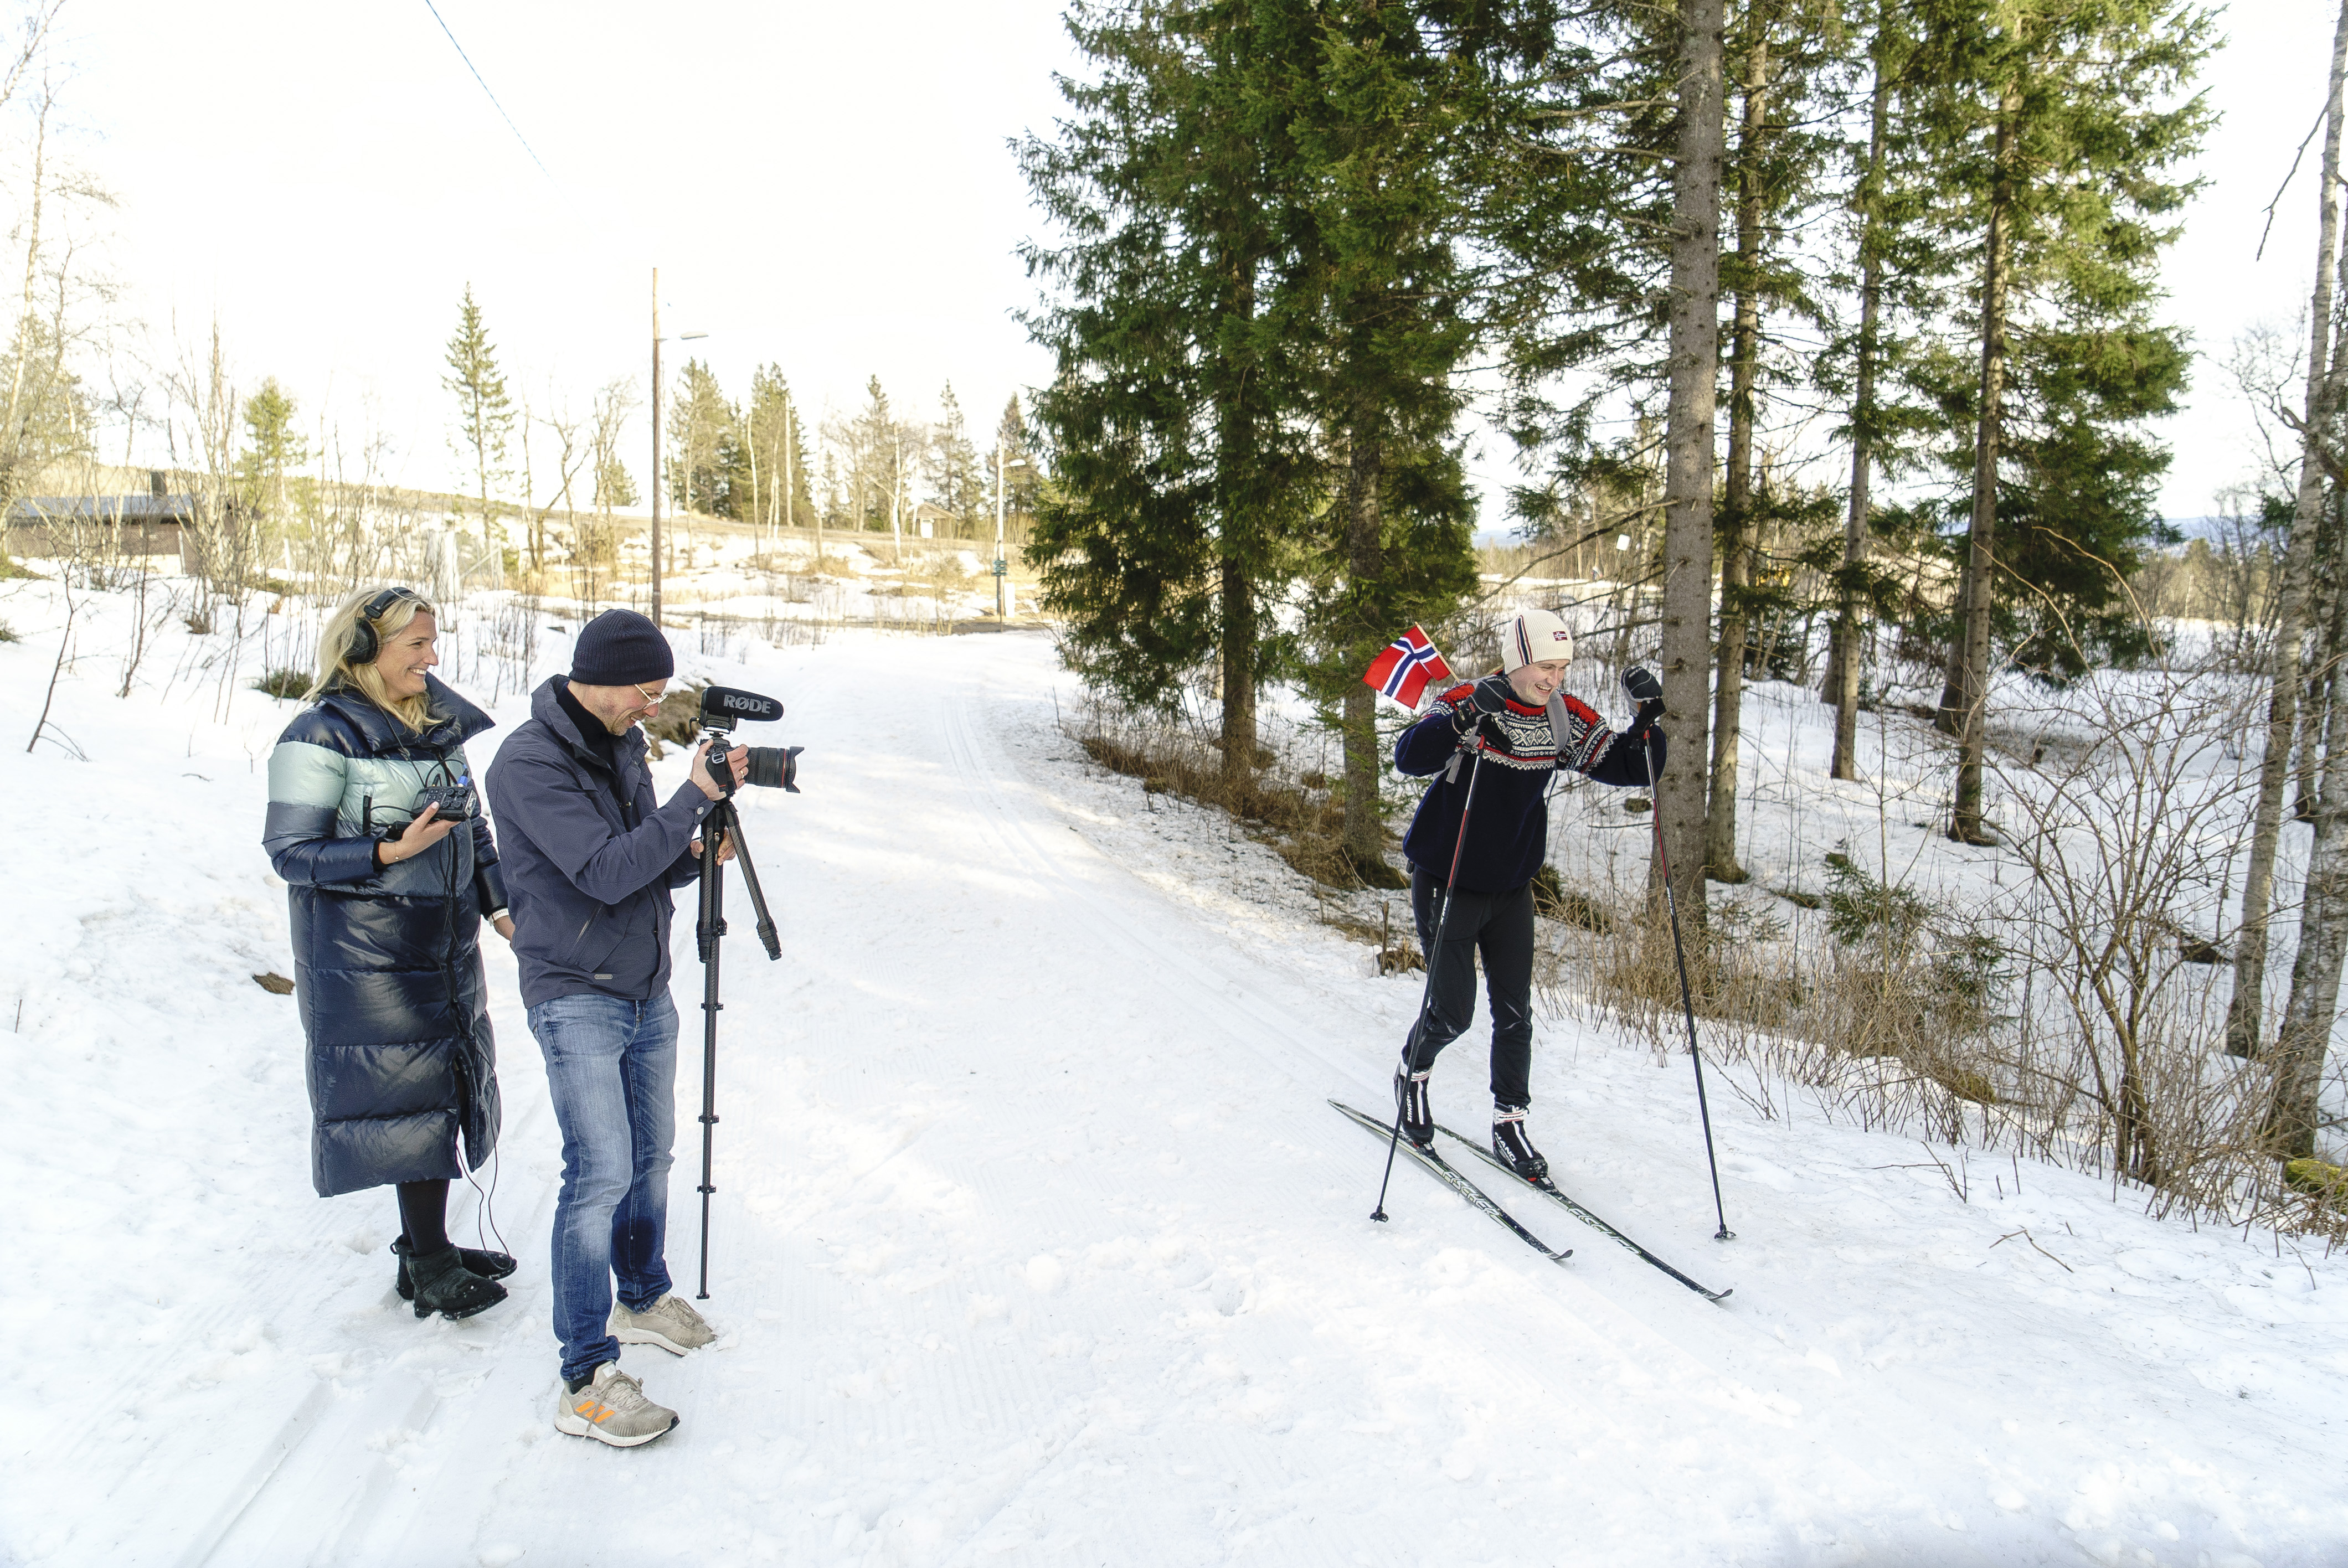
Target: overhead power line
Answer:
pixel 485 90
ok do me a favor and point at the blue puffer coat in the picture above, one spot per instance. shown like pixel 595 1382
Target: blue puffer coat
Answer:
pixel 387 963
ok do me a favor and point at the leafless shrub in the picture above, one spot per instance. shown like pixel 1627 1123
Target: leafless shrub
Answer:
pixel 2122 835
pixel 2066 1018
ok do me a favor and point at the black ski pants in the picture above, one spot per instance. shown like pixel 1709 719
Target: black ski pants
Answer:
pixel 1499 926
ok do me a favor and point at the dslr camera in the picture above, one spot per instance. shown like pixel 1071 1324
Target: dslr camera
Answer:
pixel 771 767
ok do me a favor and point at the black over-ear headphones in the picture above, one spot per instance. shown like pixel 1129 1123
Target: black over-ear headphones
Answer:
pixel 365 642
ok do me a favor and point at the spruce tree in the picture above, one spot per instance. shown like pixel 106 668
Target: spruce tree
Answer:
pixel 1182 464
pixel 1772 172
pixel 485 414
pixel 704 449
pixel 1021 470
pixel 773 454
pixel 1889 265
pixel 871 438
pixel 953 471
pixel 2052 129
pixel 1605 206
pixel 1373 279
pixel 274 447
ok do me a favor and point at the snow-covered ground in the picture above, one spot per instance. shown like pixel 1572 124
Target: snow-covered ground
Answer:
pixel 1034 1239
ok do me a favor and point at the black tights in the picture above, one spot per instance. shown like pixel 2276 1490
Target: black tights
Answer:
pixel 424 1215
pixel 1498 926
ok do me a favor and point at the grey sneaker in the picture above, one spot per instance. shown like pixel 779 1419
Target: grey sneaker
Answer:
pixel 670 1322
pixel 612 1409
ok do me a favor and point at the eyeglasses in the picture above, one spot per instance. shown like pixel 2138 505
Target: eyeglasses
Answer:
pixel 652 699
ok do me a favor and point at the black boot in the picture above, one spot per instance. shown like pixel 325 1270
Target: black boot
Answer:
pixel 1418 1112
pixel 444 1285
pixel 1516 1150
pixel 487 1264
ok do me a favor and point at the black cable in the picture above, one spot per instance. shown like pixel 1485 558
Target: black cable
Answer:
pixel 485 90
pixel 451 892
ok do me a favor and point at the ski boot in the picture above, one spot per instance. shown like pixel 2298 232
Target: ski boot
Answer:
pixel 1418 1112
pixel 1516 1150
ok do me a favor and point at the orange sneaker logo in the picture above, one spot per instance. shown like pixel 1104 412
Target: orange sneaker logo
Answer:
pixel 593 1410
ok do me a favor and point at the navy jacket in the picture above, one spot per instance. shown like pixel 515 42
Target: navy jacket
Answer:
pixel 387 963
pixel 1507 830
pixel 591 857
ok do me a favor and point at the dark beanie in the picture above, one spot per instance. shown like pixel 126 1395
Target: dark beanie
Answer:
pixel 621 648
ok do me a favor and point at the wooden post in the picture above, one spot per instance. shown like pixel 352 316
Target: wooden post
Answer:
pixel 656 448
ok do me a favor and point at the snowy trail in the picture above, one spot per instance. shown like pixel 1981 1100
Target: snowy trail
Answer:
pixel 1034 1244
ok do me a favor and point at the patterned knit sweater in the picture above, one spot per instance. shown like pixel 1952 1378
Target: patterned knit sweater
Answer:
pixel 1508 834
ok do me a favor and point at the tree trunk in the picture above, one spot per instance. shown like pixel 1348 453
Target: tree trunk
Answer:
pixel 750 447
pixel 1844 668
pixel 1239 671
pixel 1236 518
pixel 1695 369
pixel 1968 693
pixel 2315 1002
pixel 2334 594
pixel 14 478
pixel 2245 1013
pixel 1366 828
pixel 2325 626
pixel 1736 535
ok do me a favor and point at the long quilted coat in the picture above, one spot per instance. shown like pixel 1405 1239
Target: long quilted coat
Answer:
pixel 387 964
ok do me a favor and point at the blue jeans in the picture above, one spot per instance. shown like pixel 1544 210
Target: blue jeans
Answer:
pixel 611 1069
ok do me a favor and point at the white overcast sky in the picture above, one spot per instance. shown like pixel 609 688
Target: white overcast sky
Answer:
pixel 827 186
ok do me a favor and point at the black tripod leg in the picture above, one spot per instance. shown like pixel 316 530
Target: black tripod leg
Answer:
pixel 710 933
pixel 768 938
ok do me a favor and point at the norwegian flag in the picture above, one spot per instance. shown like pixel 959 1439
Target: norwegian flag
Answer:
pixel 1403 671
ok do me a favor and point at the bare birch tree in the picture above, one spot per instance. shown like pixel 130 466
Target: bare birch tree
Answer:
pixel 2244 1021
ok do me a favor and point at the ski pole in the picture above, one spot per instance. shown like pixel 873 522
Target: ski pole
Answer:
pixel 1687 1000
pixel 1426 996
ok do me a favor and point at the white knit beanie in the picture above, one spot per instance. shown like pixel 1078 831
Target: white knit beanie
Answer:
pixel 1533 636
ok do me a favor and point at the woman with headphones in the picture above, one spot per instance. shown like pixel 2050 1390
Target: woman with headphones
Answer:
pixel 390 870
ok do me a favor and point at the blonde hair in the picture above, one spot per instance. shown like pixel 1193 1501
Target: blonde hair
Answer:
pixel 340 637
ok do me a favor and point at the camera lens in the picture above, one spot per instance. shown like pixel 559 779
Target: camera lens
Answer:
pixel 771 767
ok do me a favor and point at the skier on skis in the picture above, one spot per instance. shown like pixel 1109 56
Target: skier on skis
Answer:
pixel 1529 728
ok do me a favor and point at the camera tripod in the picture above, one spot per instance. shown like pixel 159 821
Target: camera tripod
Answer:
pixel 724 821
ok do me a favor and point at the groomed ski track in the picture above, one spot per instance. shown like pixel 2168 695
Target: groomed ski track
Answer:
pixel 1034 1244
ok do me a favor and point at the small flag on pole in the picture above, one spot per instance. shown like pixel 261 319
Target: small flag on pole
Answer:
pixel 1406 667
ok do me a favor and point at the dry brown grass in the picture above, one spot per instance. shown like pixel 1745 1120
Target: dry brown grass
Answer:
pixel 1933 1035
pixel 1303 822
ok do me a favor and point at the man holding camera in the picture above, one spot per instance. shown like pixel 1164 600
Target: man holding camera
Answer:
pixel 592 856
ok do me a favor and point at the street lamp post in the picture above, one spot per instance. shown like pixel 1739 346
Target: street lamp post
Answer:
pixel 656 451
pixel 656 441
pixel 1002 610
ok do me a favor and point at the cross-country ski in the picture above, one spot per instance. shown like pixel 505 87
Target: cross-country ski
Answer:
pixel 1435 1165
pixel 1548 1185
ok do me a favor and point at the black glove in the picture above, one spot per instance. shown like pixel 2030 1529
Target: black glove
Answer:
pixel 1642 685
pixel 1491 694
